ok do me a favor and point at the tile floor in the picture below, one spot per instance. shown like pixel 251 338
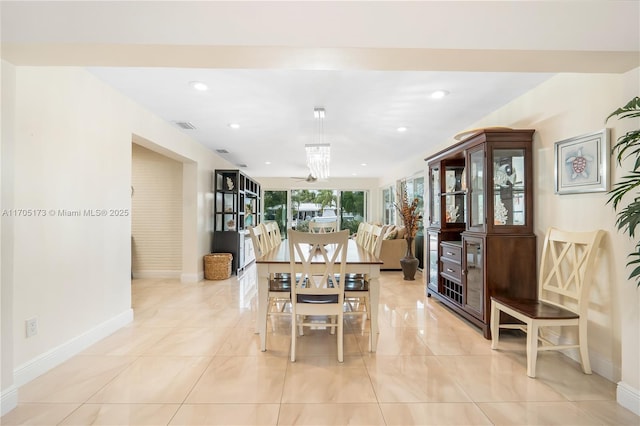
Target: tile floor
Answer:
pixel 191 357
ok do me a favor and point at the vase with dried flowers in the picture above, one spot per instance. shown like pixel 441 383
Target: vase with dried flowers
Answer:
pixel 411 217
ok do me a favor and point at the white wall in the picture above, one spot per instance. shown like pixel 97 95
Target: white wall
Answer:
pixel 8 392
pixel 71 152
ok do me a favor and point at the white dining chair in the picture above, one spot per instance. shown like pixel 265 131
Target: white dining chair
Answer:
pixel 279 302
pixel 318 227
pixel 357 300
pixel 318 261
pixel 565 275
pixel 273 230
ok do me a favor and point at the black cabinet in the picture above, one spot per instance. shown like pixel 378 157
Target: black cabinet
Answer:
pixel 236 208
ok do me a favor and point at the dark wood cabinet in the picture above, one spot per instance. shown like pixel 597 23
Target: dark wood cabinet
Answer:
pixel 236 207
pixel 480 228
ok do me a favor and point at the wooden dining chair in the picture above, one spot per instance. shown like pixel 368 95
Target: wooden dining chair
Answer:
pixel 259 239
pixel 273 230
pixel 318 261
pixel 279 296
pixel 360 234
pixel 566 273
pixel 357 285
pixel 317 227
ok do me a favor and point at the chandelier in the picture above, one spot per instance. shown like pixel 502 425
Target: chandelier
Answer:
pixel 318 154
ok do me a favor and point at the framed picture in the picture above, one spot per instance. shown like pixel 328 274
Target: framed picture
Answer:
pixel 582 163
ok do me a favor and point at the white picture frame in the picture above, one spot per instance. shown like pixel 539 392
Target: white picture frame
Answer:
pixel 582 163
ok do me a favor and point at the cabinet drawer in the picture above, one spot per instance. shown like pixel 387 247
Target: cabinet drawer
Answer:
pixel 451 252
pixel 451 270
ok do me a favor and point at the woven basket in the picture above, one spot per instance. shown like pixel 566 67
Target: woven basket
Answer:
pixel 217 266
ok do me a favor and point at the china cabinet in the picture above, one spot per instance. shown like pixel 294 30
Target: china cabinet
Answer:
pixel 480 227
pixel 236 208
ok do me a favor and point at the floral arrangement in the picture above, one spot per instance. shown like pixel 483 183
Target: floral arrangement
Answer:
pixel 409 212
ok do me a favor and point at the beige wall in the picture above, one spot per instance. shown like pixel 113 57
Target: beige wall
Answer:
pixel 70 148
pixel 156 216
pixel 565 106
pixel 8 395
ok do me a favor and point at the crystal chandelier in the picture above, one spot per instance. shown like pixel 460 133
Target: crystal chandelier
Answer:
pixel 318 154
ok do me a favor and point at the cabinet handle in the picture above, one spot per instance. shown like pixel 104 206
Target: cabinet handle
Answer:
pixel 449 253
pixel 449 270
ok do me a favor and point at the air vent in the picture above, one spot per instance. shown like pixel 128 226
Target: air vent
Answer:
pixel 185 125
pixel 222 151
pixel 244 166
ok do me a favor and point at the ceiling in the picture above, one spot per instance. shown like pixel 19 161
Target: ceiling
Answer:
pixel 371 65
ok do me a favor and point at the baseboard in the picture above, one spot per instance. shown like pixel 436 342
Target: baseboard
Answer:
pixel 156 274
pixel 8 399
pixel 599 364
pixel 41 364
pixel 192 278
pixel 628 397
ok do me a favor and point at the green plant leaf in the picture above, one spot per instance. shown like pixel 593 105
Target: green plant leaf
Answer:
pixel 630 141
pixel 628 218
pixel 622 188
pixel 631 109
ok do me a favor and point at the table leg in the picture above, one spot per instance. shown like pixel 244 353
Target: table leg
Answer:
pixel 263 304
pixel 374 298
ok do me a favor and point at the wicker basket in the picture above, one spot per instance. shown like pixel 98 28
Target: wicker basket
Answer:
pixel 217 266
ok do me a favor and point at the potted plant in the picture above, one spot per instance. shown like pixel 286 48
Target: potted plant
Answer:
pixel 411 217
pixel 628 217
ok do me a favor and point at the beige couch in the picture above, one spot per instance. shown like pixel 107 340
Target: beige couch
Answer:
pixel 394 247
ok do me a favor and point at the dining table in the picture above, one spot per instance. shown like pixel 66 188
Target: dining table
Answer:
pixel 277 260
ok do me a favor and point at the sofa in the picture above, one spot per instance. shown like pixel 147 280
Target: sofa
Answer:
pixel 394 247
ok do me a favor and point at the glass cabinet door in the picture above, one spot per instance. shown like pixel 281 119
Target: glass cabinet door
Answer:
pixel 454 196
pixel 474 276
pixel 432 255
pixel 476 190
pixel 434 195
pixel 509 187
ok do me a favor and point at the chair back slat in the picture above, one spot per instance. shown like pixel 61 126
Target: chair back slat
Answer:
pixel 316 227
pixel 374 239
pixel 360 234
pixel 260 239
pixel 307 251
pixel 566 267
pixel 366 235
pixel 273 231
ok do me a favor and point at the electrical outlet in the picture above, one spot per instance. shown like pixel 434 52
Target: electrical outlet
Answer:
pixel 31 327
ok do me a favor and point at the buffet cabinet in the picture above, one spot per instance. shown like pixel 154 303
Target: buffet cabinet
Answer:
pixel 480 239
pixel 236 208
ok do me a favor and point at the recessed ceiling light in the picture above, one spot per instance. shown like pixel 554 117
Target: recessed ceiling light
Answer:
pixel 401 129
pixel 267 162
pixel 438 94
pixel 363 164
pixel 234 125
pixel 198 85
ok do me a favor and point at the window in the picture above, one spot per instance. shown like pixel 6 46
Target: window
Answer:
pixel 276 208
pixel 388 208
pixel 352 210
pixel 347 207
